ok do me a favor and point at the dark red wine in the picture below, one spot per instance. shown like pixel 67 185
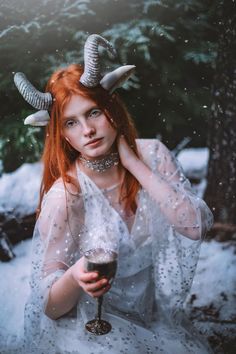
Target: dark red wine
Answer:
pixel 103 261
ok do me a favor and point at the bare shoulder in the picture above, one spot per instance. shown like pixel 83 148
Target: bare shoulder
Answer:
pixel 72 187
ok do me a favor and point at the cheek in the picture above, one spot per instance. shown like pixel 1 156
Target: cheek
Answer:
pixel 109 129
pixel 73 139
pixel 112 134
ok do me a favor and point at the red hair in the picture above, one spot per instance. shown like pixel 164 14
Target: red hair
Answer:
pixel 58 155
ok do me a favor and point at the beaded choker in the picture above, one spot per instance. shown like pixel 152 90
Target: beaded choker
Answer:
pixel 103 164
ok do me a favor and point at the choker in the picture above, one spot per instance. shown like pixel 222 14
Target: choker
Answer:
pixel 103 164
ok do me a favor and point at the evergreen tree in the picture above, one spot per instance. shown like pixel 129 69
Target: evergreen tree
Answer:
pixel 170 42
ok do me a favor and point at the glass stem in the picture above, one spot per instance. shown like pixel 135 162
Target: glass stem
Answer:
pixel 99 309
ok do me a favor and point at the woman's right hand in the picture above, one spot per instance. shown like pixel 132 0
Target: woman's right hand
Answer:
pixel 88 281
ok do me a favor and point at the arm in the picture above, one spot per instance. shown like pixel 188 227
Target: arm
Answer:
pixel 186 212
pixel 62 280
pixel 65 292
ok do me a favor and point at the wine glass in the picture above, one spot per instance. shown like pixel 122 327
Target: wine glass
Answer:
pixel 104 261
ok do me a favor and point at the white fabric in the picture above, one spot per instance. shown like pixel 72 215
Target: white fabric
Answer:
pixel 155 267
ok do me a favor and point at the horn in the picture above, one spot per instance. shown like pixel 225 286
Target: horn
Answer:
pixel 35 98
pixel 92 75
pixel 38 119
pixel 117 77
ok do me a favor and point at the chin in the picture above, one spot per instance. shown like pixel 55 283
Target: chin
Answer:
pixel 99 151
pixel 96 153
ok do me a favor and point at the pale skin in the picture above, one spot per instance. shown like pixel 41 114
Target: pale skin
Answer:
pixel 65 292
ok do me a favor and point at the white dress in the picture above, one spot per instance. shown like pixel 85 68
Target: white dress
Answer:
pixel 156 265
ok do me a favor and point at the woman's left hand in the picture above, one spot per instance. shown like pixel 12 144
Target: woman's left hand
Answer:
pixel 127 155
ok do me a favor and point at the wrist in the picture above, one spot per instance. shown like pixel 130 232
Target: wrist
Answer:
pixel 132 163
pixel 72 278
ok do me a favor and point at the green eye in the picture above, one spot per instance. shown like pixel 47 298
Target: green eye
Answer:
pixel 70 123
pixel 95 112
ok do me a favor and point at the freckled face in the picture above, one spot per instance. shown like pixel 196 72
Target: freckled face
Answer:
pixel 86 128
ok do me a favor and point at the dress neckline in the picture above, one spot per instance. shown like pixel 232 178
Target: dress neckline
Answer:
pixel 107 189
pixel 113 186
pixel 101 190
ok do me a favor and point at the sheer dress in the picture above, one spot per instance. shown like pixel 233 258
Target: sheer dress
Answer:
pixel 158 253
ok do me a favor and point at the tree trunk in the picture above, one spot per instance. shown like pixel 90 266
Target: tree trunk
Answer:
pixel 221 190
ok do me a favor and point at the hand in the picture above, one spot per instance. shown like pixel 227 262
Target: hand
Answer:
pixel 127 155
pixel 88 281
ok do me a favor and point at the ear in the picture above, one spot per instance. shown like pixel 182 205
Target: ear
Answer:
pixel 117 77
pixel 38 119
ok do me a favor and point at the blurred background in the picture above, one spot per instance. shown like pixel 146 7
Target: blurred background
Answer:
pixel 172 43
pixel 183 92
pixel 184 85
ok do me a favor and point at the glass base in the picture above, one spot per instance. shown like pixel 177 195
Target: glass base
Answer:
pixel 98 327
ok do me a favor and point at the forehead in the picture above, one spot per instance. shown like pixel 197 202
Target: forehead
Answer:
pixel 78 105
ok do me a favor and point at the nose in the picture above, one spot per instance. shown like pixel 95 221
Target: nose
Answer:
pixel 88 130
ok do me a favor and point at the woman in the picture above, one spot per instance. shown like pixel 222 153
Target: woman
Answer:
pixel 98 176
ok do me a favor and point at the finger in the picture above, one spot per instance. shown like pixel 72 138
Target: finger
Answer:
pixel 100 292
pixel 87 277
pixel 97 285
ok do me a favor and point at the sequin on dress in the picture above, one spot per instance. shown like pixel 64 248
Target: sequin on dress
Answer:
pixel 156 265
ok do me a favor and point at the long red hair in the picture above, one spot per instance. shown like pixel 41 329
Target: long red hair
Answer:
pixel 58 155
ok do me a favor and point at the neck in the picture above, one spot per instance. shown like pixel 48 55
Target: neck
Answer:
pixel 111 176
pixel 102 163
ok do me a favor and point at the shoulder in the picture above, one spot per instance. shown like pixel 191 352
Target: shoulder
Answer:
pixel 61 193
pixel 72 187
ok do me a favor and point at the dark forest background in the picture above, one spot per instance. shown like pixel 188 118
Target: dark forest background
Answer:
pixel 184 85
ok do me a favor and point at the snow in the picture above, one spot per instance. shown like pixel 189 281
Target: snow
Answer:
pixel 21 201
pixel 215 275
pixel 194 161
pixel 213 286
pixel 14 289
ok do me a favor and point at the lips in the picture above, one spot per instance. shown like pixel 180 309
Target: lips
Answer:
pixel 94 141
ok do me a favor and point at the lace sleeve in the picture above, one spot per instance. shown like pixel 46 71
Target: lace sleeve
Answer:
pixel 55 238
pixel 170 189
pixel 192 215
pixel 178 220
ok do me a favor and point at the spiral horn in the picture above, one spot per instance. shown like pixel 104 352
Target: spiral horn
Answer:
pixel 37 99
pixel 92 76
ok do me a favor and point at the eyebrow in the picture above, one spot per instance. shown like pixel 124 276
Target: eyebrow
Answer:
pixel 85 113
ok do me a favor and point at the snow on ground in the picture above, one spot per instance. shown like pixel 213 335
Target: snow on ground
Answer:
pixel 216 278
pixel 215 275
pixel 19 190
pixel 14 289
pixel 213 292
pixel 194 161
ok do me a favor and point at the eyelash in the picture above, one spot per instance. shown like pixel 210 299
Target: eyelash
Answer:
pixel 95 110
pixel 67 123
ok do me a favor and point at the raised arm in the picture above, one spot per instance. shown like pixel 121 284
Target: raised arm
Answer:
pixel 166 184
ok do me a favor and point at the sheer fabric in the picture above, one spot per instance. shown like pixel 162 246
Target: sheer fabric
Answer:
pixel 156 265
